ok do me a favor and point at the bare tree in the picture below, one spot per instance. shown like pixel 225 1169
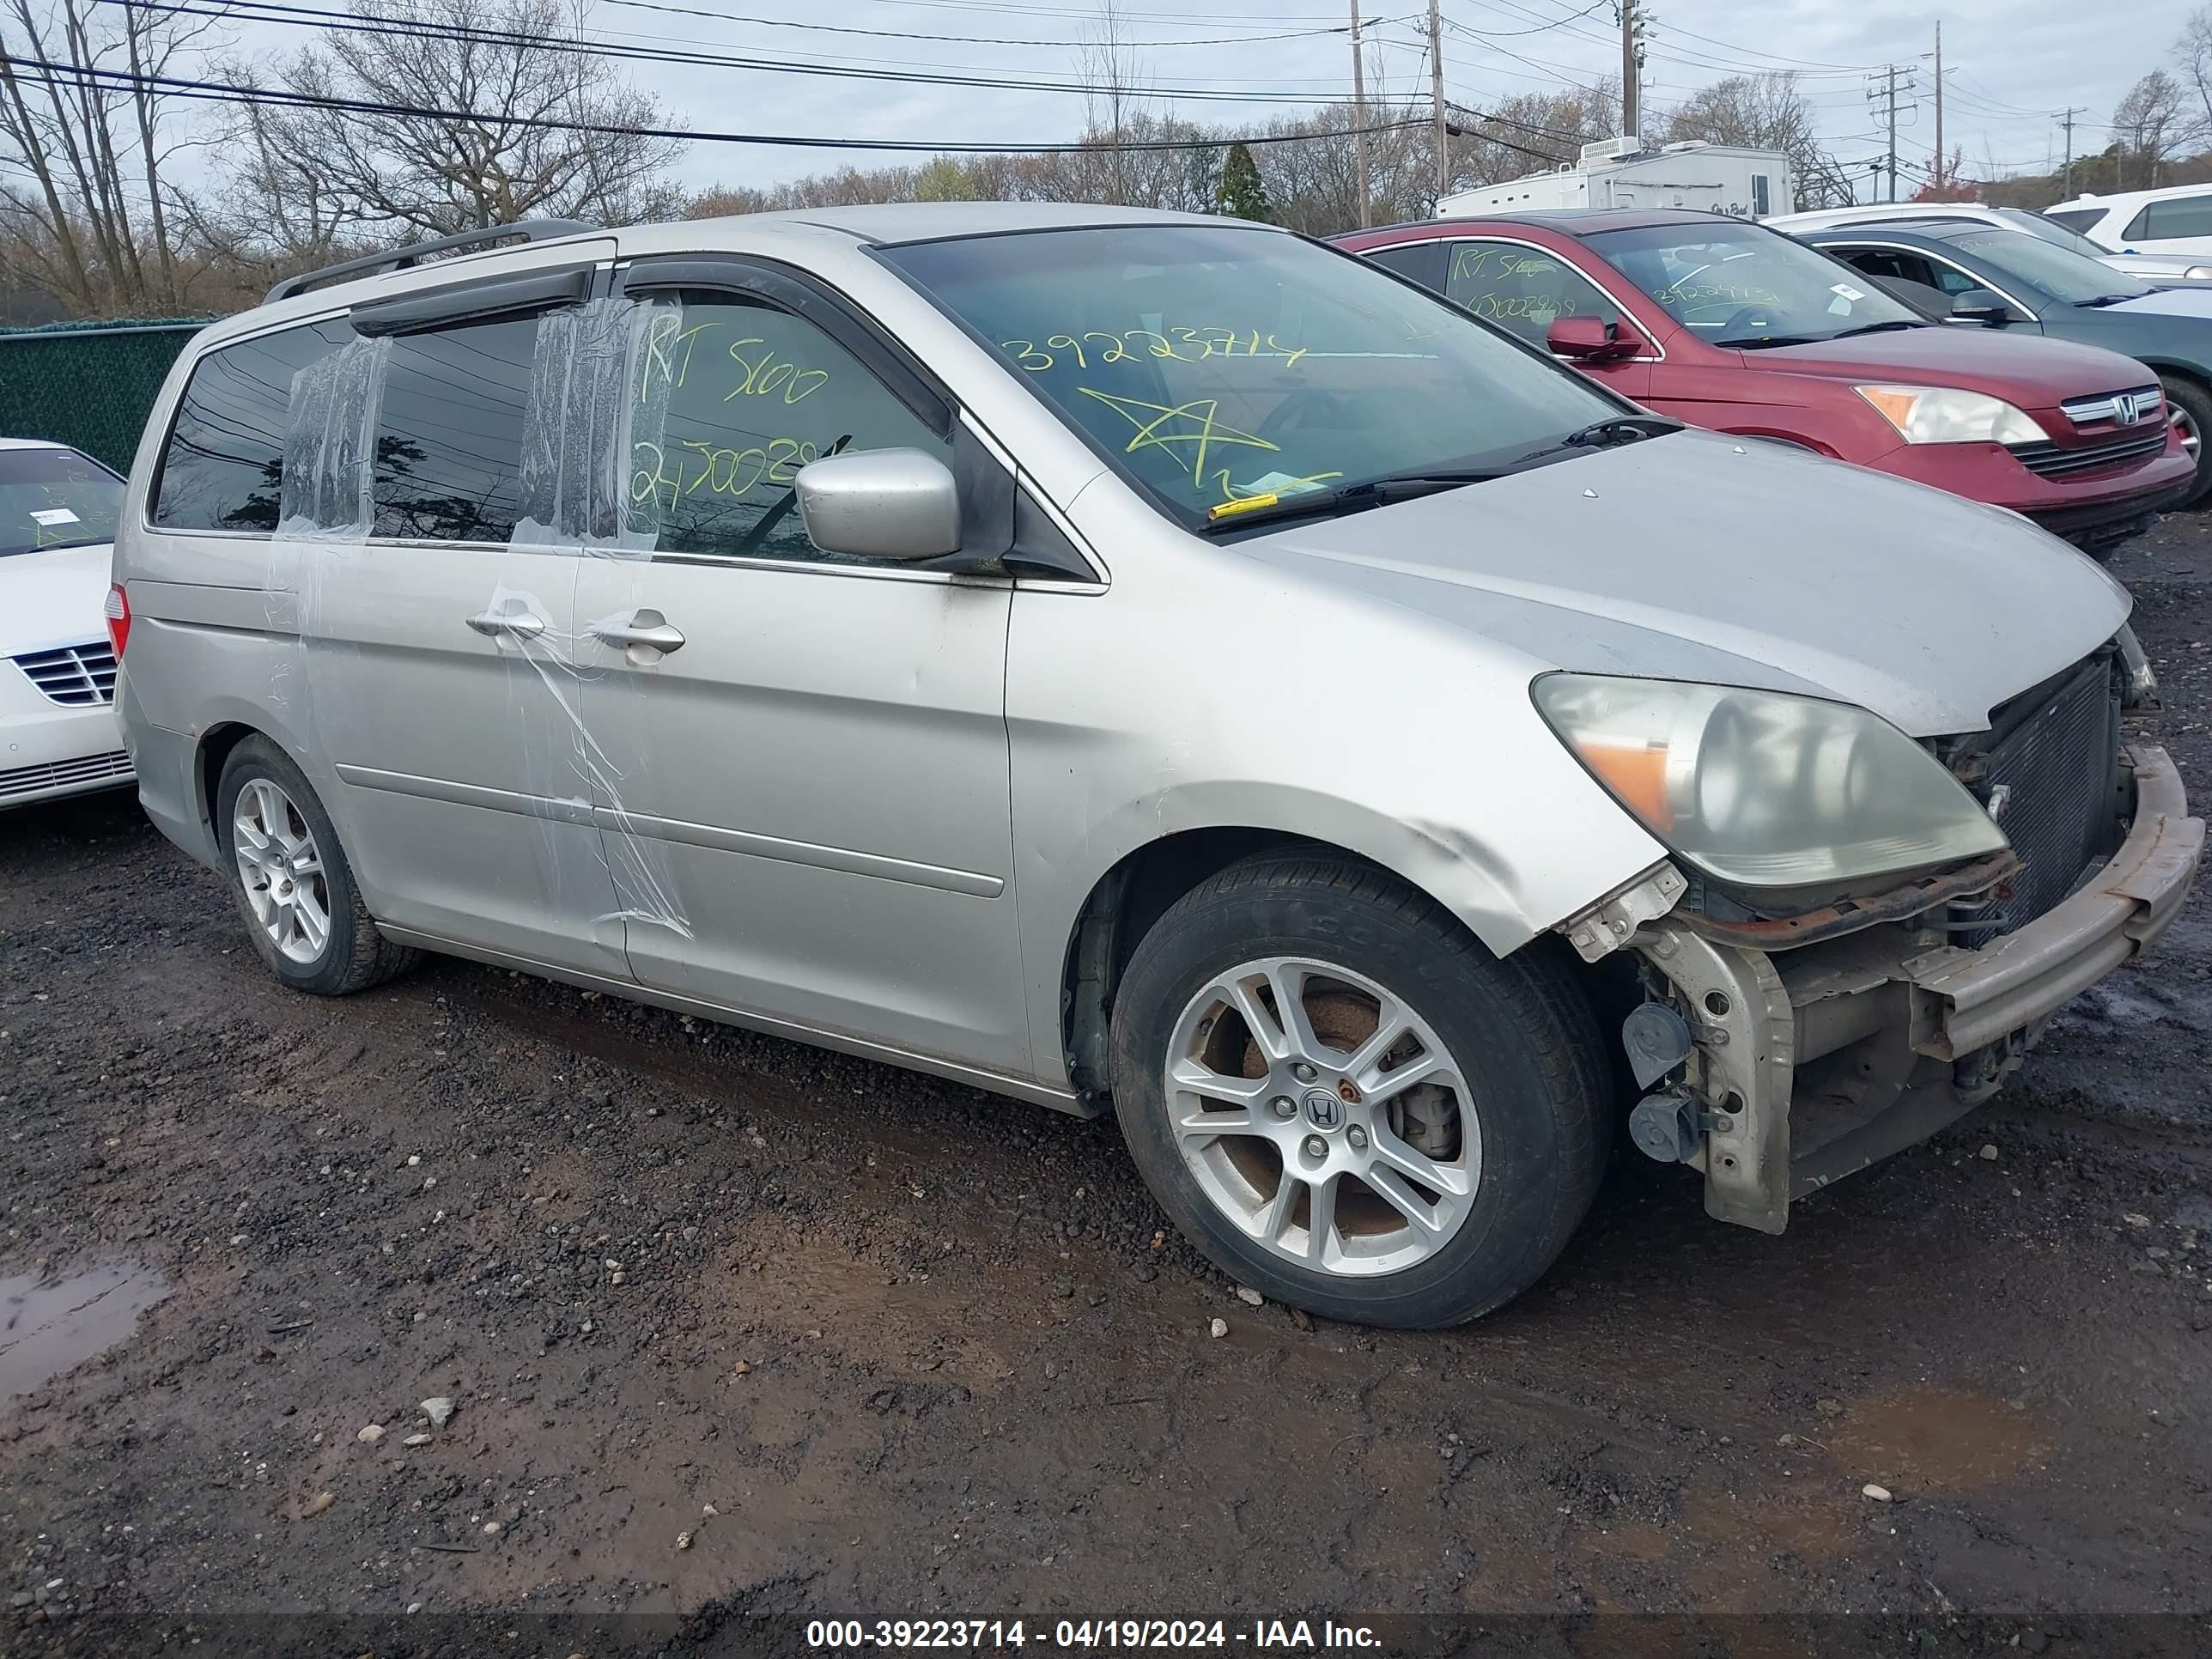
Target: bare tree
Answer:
pixel 1765 111
pixel 2151 124
pixel 83 203
pixel 1113 74
pixel 473 125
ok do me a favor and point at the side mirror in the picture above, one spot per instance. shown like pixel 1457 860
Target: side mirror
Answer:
pixel 1980 305
pixel 1591 340
pixel 881 504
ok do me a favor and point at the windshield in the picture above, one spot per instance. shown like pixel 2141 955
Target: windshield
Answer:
pixel 1738 285
pixel 55 498
pixel 2059 272
pixel 1215 364
pixel 2052 232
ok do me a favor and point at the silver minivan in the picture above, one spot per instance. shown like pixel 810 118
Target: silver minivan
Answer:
pixel 1146 661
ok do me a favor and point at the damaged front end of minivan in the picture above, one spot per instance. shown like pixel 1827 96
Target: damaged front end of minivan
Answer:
pixel 1789 1038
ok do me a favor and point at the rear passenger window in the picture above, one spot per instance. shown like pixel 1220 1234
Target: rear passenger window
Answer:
pixel 1521 288
pixel 730 399
pixel 449 432
pixel 2186 215
pixel 223 466
pixel 1423 262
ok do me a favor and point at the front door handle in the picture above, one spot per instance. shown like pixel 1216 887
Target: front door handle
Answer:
pixel 518 624
pixel 647 629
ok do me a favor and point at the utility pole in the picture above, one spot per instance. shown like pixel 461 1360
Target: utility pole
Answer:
pixel 1883 90
pixel 1892 132
pixel 1437 98
pixel 1359 117
pixel 1938 103
pixel 2068 122
pixel 1631 98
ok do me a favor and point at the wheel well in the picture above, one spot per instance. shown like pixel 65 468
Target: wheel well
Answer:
pixel 215 745
pixel 2192 377
pixel 1120 911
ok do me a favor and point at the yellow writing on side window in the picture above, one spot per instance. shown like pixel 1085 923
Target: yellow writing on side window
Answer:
pixel 667 359
pixel 667 472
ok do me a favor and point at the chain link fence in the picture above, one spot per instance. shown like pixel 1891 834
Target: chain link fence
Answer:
pixel 89 386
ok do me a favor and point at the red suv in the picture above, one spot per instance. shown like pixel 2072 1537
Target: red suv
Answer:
pixel 1725 323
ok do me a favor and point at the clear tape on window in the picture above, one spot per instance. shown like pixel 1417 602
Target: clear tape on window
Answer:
pixel 332 594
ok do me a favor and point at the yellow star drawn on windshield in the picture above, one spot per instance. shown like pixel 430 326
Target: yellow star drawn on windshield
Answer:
pixel 1205 431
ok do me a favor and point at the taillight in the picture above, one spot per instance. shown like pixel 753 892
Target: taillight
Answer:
pixel 118 609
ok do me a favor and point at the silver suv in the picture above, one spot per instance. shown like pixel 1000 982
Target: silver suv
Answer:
pixel 1138 661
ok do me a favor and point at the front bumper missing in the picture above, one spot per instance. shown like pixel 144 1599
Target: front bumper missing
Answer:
pixel 1873 1041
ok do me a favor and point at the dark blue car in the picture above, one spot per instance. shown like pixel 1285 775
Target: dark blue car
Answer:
pixel 1979 275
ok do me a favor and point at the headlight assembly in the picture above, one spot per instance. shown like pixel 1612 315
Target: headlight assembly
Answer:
pixel 1945 415
pixel 1764 789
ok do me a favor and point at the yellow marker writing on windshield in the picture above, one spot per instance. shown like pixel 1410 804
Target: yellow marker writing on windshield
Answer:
pixel 1228 509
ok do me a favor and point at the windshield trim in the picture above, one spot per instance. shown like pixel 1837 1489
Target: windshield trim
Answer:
pixel 1191 522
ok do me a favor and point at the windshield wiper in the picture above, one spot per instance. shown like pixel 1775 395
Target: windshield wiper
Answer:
pixel 2105 300
pixel 1753 342
pixel 1890 327
pixel 1348 498
pixel 1616 429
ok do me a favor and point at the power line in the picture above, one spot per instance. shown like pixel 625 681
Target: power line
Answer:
pixel 321 19
pixel 64 75
pixel 1465 28
pixel 975 40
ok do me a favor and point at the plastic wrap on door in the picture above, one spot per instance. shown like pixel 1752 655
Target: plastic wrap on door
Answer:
pixel 326 504
pixel 586 411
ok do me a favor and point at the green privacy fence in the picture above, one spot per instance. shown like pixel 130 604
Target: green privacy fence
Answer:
pixel 87 385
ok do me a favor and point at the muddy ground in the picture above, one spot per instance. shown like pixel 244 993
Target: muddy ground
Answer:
pixel 738 1333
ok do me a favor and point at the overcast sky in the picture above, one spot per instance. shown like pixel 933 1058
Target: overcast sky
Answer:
pixel 2011 65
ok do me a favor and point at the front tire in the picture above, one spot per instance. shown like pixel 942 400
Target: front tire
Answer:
pixel 2191 404
pixel 290 879
pixel 1348 1104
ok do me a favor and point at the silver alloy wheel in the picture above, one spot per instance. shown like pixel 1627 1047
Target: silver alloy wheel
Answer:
pixel 2192 438
pixel 281 871
pixel 1323 1117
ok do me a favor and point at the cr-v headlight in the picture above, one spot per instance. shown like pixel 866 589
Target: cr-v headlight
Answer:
pixel 1945 415
pixel 1765 789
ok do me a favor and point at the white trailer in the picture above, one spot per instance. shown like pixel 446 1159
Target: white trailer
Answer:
pixel 1619 173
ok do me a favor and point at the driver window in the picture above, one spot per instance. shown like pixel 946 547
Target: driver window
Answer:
pixel 1520 289
pixel 729 400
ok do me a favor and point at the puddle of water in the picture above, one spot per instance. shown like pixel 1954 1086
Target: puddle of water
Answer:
pixel 48 1327
pixel 1936 1437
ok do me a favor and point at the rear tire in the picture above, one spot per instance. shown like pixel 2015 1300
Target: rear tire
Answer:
pixel 2192 413
pixel 1503 1148
pixel 290 880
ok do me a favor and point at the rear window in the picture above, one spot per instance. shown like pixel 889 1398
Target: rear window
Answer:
pixel 55 498
pixel 223 466
pixel 2075 218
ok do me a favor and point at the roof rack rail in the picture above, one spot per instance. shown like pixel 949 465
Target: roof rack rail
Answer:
pixel 399 259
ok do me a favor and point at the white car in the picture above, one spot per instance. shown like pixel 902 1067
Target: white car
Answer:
pixel 2163 270
pixel 57 731
pixel 2175 222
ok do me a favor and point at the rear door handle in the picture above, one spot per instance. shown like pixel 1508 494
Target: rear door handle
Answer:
pixel 518 624
pixel 647 629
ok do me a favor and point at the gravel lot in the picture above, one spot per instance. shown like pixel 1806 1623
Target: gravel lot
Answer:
pixel 738 1332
